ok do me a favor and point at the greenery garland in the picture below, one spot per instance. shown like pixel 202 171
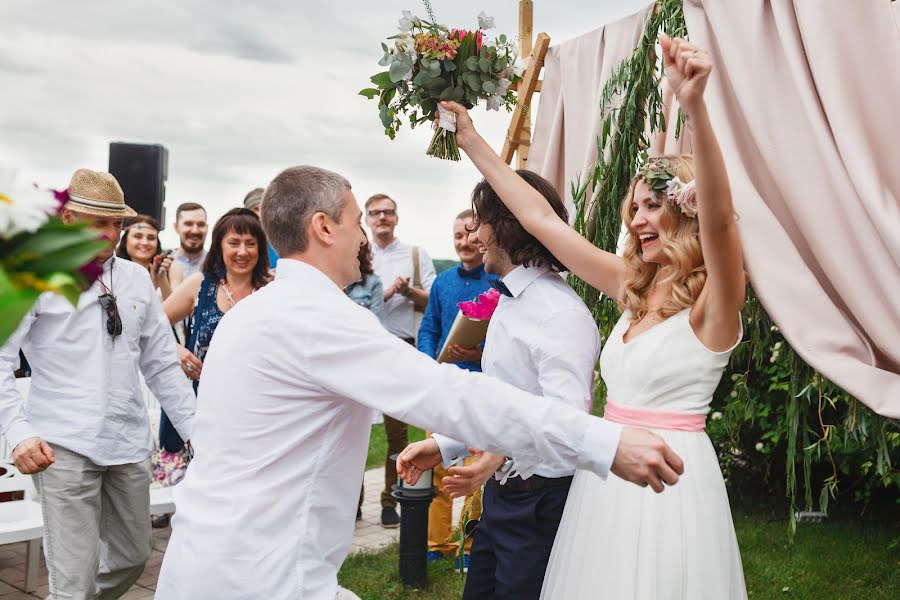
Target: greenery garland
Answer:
pixel 769 402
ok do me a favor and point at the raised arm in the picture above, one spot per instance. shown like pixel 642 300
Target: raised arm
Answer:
pixel 715 317
pixel 603 270
pixel 180 303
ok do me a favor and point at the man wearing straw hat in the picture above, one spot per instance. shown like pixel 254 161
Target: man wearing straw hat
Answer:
pixel 84 432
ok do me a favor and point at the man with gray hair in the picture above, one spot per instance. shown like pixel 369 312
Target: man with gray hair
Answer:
pixel 292 375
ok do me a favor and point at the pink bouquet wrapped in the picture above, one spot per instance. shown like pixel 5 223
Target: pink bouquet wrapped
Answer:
pixel 483 308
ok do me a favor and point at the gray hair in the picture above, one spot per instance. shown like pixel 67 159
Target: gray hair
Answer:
pixel 293 197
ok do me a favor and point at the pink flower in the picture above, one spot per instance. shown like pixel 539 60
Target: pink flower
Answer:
pixel 62 196
pixel 483 308
pixel 91 272
pixel 479 41
pixel 687 200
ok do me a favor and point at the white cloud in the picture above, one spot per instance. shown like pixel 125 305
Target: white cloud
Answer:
pixel 237 91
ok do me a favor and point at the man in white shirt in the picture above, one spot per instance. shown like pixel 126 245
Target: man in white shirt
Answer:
pixel 84 432
pixel 395 264
pixel 543 340
pixel 290 380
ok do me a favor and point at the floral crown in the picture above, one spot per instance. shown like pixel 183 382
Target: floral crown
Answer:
pixel 657 172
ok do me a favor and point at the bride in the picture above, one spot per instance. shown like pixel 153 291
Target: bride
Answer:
pixel 680 283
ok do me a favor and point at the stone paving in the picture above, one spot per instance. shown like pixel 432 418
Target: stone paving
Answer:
pixel 369 535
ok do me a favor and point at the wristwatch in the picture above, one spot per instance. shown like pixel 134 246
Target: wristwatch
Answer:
pixel 506 467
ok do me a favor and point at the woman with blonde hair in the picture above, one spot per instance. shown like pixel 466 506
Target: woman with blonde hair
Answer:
pixel 681 285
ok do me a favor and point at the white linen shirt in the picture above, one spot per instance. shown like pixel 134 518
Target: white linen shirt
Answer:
pixel 542 340
pixel 389 264
pixel 85 392
pixel 266 509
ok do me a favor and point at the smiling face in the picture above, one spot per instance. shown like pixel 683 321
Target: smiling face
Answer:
pixel 648 219
pixel 467 252
pixel 141 242
pixel 191 227
pixel 496 260
pixel 348 238
pixel 240 252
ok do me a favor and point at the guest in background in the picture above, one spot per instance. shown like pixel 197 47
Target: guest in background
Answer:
pixel 368 293
pixel 253 201
pixel 397 264
pixel 459 284
pixel 234 268
pixel 140 244
pixel 191 227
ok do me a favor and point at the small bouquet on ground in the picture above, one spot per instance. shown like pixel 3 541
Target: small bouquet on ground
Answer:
pixel 38 252
pixel 428 63
pixel 470 326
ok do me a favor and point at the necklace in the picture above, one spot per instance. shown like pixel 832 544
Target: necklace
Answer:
pixel 228 294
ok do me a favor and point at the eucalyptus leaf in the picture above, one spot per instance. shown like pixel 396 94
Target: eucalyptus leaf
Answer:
pixel 488 87
pixel 484 65
pixel 382 80
pixel 398 71
pixel 370 93
pixel 449 66
pixel 472 63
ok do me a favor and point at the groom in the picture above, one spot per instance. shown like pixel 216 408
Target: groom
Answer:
pixel 266 509
pixel 543 340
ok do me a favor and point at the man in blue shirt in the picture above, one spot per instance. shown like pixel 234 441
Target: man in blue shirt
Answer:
pixel 458 284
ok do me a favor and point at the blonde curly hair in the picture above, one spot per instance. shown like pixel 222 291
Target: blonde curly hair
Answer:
pixel 679 237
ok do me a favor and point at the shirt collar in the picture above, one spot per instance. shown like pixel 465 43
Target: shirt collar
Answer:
pixel 392 246
pixel 291 268
pixel 521 277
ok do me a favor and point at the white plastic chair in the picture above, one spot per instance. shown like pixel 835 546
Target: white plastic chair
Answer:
pixel 22 520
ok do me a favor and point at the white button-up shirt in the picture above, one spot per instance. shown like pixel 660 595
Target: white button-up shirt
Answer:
pixel 267 507
pixel 85 390
pixel 390 263
pixel 542 340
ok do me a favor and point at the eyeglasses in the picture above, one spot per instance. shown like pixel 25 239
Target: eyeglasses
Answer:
pixel 113 320
pixel 388 212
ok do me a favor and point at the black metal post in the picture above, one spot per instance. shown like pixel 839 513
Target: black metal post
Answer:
pixel 413 534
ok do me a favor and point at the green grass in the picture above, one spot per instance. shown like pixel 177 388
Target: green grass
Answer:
pixel 835 560
pixel 378 444
pixel 845 558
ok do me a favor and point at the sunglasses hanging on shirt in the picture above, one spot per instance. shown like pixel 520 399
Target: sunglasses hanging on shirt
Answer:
pixel 109 306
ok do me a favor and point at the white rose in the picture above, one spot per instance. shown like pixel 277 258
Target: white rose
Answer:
pixel 485 22
pixel 716 416
pixel 760 446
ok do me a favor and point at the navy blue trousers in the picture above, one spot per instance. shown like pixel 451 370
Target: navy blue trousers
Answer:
pixel 512 543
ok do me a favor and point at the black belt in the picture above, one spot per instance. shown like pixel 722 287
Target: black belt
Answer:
pixel 534 483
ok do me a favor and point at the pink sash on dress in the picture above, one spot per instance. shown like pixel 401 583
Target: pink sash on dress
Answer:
pixel 656 419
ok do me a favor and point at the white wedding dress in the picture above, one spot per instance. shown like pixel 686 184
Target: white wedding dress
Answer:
pixel 618 541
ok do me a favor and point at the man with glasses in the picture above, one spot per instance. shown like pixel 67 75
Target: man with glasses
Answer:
pixel 84 432
pixel 396 264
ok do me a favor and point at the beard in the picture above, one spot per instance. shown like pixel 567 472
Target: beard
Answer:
pixel 192 246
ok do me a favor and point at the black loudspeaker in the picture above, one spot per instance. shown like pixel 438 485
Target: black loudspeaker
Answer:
pixel 142 170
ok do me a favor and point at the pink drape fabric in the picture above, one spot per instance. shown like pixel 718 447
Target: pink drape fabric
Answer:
pixel 564 142
pixel 803 100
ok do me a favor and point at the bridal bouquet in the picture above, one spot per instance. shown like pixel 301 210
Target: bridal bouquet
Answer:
pixel 483 308
pixel 428 63
pixel 38 252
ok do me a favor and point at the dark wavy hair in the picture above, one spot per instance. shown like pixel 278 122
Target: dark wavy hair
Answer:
pixel 241 221
pixel 122 249
pixel 365 258
pixel 522 247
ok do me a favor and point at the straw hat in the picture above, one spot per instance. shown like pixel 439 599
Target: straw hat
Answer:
pixel 253 198
pixel 97 194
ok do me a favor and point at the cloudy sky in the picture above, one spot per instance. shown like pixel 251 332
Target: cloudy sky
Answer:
pixel 238 91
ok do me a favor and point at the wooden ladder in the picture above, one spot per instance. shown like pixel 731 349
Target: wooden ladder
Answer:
pixel 518 136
